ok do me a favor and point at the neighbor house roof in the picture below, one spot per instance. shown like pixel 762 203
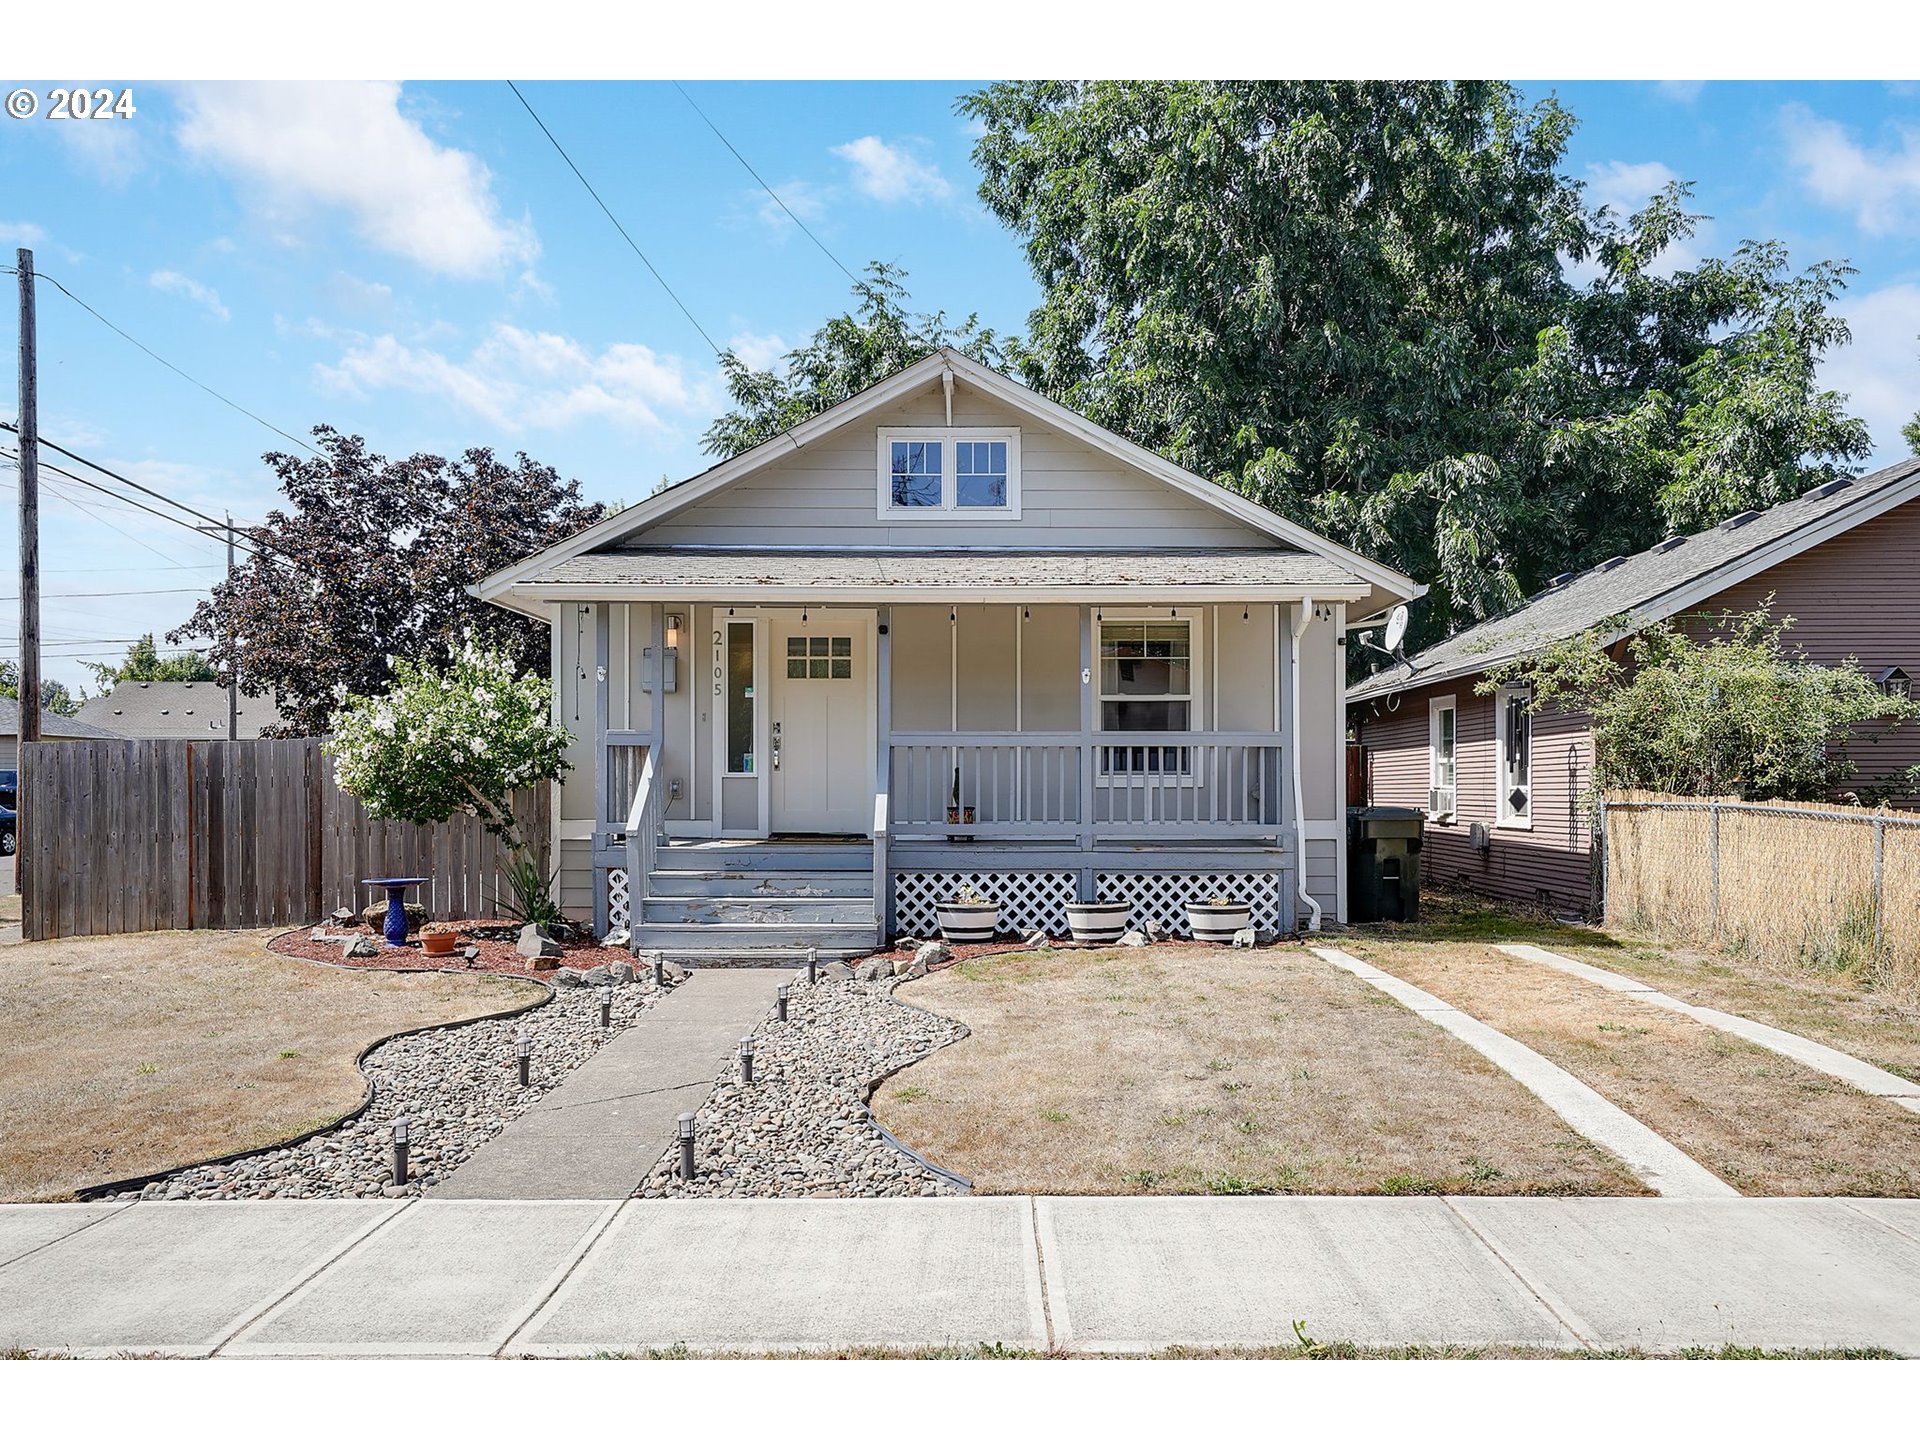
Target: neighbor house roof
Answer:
pixel 728 573
pixel 177 710
pixel 57 727
pixel 509 586
pixel 1657 583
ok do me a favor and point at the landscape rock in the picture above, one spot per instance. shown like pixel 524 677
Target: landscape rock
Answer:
pixel 1154 931
pixel 1133 937
pixel 535 942
pixel 1245 939
pixel 544 963
pixel 1264 936
pixel 617 939
pixel 1037 940
pixel 342 916
pixel 874 968
pixel 570 978
pixel 934 952
pixel 598 975
pixel 360 948
pixel 906 942
pixel 622 972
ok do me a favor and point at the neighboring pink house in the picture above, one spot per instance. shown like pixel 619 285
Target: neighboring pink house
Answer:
pixel 1504 791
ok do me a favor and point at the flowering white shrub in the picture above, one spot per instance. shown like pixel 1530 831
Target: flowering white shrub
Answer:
pixel 458 740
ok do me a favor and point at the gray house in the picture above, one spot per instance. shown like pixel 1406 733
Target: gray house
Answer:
pixel 177 710
pixel 52 727
pixel 946 634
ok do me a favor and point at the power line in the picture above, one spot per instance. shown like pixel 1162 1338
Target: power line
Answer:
pixel 135 484
pixel 821 244
pixel 651 268
pixel 127 500
pixel 161 359
pixel 106 594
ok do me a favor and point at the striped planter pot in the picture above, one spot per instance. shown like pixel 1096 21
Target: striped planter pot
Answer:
pixel 1100 924
pixel 967 924
pixel 1218 922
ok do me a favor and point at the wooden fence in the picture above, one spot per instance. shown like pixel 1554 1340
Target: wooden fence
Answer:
pixel 119 836
pixel 1830 887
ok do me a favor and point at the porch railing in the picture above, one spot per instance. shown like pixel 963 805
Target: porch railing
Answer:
pixel 645 821
pixel 1060 785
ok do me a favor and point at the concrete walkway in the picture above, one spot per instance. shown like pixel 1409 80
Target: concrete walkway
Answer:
pixel 1661 1165
pixel 1123 1274
pixel 601 1129
pixel 1849 1069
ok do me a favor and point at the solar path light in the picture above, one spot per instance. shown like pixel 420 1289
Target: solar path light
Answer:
pixel 400 1147
pixel 523 1047
pixel 686 1145
pixel 780 998
pixel 746 1059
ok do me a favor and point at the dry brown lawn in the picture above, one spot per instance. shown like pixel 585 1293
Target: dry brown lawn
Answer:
pixel 1158 1070
pixel 125 1055
pixel 1765 1124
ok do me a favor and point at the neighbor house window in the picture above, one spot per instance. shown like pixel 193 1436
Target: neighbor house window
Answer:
pixel 950 474
pixel 1146 685
pixel 1513 740
pixel 1442 745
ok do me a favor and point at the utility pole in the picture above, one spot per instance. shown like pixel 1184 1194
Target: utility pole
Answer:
pixel 29 450
pixel 233 660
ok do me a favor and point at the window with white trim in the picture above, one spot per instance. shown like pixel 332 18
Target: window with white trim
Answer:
pixel 949 473
pixel 1146 685
pixel 1442 748
pixel 1513 740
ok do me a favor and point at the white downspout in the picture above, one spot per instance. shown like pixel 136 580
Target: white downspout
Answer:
pixel 1302 617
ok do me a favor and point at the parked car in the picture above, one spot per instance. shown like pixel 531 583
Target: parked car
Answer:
pixel 10 789
pixel 9 831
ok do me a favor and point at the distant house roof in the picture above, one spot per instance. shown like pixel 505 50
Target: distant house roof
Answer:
pixel 59 727
pixel 1657 583
pixel 718 573
pixel 176 710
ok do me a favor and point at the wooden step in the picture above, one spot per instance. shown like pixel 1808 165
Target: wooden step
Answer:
pixel 834 939
pixel 755 884
pixel 760 910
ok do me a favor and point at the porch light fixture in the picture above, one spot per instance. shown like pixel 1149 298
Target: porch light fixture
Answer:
pixel 803 614
pixel 746 1059
pixel 523 1048
pixel 685 1127
pixel 400 1151
pixel 780 998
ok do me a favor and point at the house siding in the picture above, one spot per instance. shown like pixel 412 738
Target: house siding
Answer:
pixel 1071 495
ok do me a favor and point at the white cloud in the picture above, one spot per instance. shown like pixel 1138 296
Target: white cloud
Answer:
pixel 111 148
pixel 760 352
pixel 1880 369
pixel 347 146
pixel 174 283
pixel 1683 92
pixel 890 173
pixel 362 297
pixel 20 232
pixel 1624 187
pixel 521 379
pixel 807 201
pixel 1881 186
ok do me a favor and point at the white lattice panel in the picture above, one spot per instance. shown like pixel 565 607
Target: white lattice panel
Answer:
pixel 1028 899
pixel 1163 896
pixel 619 907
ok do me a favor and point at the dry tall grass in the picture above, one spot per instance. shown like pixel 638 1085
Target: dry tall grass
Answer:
pixel 128 1054
pixel 1165 1071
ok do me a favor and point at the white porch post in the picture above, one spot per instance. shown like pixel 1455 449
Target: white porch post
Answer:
pixel 1087 691
pixel 602 653
pixel 883 769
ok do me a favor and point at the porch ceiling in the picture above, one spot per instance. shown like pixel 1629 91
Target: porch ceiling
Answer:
pixel 821 574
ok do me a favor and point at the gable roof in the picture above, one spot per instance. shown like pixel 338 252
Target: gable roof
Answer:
pixel 1659 582
pixel 499 586
pixel 176 710
pixel 58 727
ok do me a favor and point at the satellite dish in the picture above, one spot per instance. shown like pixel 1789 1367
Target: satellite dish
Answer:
pixel 1396 627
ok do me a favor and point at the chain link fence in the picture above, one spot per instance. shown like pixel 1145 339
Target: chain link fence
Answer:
pixel 1813 885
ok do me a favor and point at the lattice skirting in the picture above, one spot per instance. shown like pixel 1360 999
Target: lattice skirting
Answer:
pixel 1028 899
pixel 1162 896
pixel 619 907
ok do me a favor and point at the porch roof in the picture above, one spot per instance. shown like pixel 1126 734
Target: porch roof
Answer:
pixel 723 573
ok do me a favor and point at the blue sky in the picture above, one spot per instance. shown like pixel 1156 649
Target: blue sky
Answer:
pixel 414 263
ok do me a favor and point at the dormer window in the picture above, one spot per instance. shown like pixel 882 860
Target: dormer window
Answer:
pixel 936 473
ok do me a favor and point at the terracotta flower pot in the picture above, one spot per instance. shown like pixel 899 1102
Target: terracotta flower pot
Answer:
pixel 438 942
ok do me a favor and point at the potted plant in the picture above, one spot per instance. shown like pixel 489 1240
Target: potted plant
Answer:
pixel 958 814
pixel 968 917
pixel 1217 917
pixel 1100 922
pixel 438 938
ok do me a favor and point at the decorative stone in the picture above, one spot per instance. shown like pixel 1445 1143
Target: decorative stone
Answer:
pixel 874 969
pixel 675 973
pixel 344 915
pixel 905 964
pixel 934 952
pixel 375 916
pixel 598 975
pixel 906 942
pixel 544 962
pixel 360 948
pixel 1154 931
pixel 1245 939
pixel 318 934
pixel 617 939
pixel 1037 940
pixel 1266 937
pixel 1133 937
pixel 535 942
pixel 570 978
pixel 622 972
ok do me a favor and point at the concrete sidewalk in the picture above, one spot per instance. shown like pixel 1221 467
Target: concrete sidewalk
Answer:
pixel 441 1277
pixel 599 1132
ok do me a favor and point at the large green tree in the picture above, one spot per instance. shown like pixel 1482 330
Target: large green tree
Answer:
pixel 55 698
pixel 145 662
pixel 1385 310
pixel 369 562
pixel 846 355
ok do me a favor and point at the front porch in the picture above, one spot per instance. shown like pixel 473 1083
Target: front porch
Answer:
pixel 822 774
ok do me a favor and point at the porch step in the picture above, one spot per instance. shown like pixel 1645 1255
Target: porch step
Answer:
pixel 789 909
pixel 783 856
pixel 760 884
pixel 832 940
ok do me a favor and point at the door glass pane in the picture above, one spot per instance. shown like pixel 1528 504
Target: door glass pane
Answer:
pixel 842 669
pixel 796 669
pixel 740 699
pixel 817 645
pixel 817 669
pixel 843 645
pixel 796 645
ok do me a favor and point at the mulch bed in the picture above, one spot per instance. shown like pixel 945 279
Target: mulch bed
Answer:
pixel 497 957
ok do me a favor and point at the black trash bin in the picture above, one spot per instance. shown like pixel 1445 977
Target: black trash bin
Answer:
pixel 1383 862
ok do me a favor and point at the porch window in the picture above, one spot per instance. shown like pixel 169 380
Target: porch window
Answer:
pixel 1442 741
pixel 1513 726
pixel 1146 685
pixel 949 473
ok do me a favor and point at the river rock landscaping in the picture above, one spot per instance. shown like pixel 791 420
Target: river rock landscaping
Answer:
pixel 802 1128
pixel 457 1086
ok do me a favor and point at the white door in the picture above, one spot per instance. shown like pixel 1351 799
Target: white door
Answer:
pixel 820 721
